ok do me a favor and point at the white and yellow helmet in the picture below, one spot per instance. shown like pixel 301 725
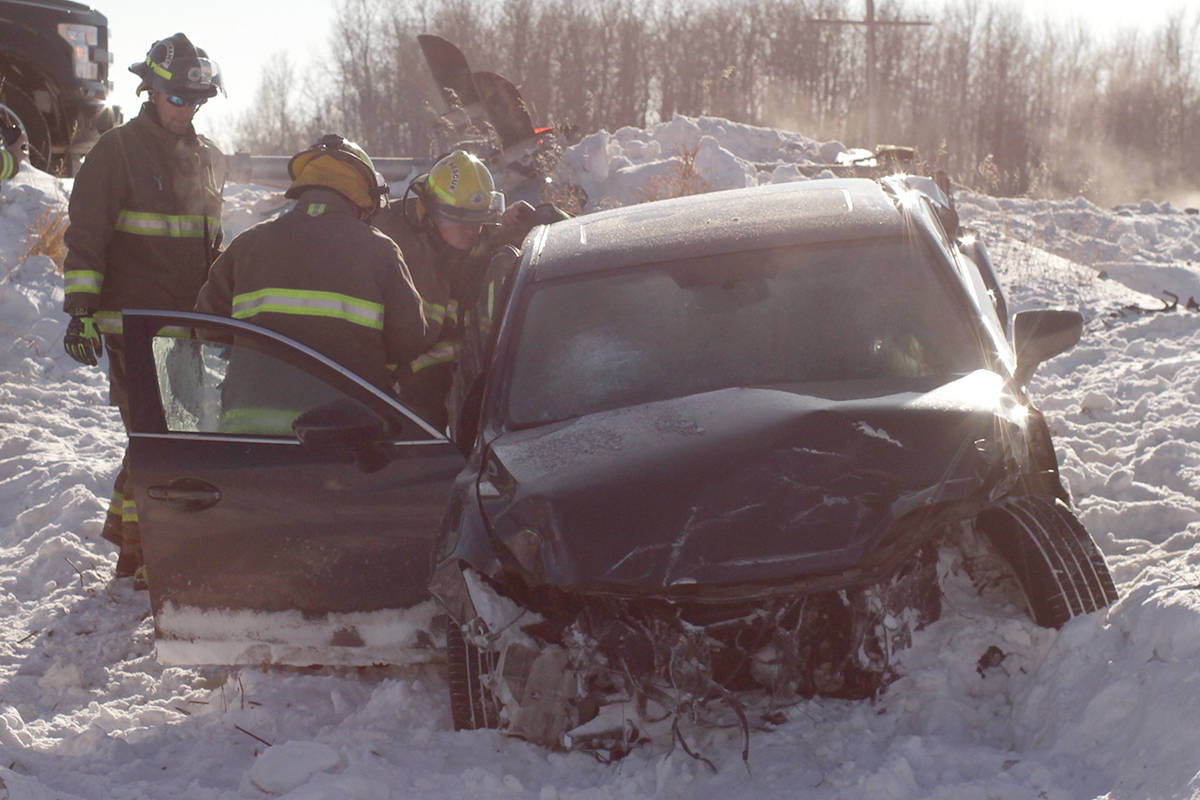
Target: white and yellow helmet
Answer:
pixel 460 188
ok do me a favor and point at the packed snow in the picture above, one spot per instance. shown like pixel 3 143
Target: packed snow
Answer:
pixel 988 706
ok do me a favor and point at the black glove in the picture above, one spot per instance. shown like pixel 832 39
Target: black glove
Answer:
pixel 82 341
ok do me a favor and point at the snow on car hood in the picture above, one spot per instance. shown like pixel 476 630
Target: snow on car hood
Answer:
pixel 738 485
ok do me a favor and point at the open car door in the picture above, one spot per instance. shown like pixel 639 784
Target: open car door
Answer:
pixel 288 508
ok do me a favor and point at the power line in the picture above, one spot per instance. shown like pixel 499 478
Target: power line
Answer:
pixel 871 24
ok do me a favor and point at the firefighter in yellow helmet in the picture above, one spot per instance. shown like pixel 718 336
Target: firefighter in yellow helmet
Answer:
pixel 461 242
pixel 321 275
pixel 145 226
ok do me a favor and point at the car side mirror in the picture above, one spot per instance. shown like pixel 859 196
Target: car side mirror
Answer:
pixel 343 430
pixel 1042 334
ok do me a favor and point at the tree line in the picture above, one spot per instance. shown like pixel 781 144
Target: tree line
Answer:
pixel 1003 102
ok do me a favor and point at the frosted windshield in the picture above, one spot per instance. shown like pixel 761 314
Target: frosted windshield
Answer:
pixel 762 318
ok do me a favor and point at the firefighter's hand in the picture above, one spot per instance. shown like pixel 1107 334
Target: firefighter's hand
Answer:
pixel 82 341
pixel 519 218
pixel 519 213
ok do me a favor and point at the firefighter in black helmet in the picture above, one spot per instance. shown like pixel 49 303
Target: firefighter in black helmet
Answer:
pixel 145 226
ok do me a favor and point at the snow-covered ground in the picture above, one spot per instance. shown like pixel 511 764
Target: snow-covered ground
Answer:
pixel 1106 707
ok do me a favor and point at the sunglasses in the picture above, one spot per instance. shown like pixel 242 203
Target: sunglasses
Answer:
pixel 180 102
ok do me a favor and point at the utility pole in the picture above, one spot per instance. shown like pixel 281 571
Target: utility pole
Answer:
pixel 871 24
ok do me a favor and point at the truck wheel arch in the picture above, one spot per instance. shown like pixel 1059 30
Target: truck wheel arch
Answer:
pixel 15 103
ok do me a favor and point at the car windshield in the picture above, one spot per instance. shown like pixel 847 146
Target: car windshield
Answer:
pixel 800 315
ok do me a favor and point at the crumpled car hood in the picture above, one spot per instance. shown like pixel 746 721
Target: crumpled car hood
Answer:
pixel 738 485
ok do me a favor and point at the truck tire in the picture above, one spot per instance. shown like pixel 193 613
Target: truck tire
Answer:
pixel 19 107
pixel 471 705
pixel 1056 562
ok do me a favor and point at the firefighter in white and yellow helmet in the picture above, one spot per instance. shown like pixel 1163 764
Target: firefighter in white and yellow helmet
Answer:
pixel 439 226
pixel 460 241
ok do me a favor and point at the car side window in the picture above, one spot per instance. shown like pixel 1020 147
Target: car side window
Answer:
pixel 213 386
pixel 985 300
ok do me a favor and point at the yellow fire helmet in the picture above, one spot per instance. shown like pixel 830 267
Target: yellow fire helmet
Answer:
pixel 460 188
pixel 339 164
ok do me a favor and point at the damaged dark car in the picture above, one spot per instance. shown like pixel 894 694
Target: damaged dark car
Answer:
pixel 718 451
pixel 723 441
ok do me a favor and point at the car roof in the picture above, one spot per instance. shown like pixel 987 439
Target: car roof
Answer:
pixel 734 220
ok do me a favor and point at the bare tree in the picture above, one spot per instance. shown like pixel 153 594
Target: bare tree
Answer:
pixel 991 96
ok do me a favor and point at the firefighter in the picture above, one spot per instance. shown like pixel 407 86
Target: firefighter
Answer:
pixel 14 148
pixel 145 224
pixel 319 274
pixel 460 242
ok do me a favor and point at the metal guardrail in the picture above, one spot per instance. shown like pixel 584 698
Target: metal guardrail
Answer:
pixel 272 170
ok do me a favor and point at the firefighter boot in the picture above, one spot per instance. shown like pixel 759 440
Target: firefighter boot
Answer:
pixel 112 520
pixel 128 562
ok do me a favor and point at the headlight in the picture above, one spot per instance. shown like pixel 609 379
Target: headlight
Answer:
pixel 82 39
pixel 526 547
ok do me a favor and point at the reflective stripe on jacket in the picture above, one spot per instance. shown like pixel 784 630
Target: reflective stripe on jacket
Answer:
pixel 8 164
pixel 328 281
pixel 175 226
pixel 275 299
pixel 145 220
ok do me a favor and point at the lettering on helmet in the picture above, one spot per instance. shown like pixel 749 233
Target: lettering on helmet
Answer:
pixel 453 176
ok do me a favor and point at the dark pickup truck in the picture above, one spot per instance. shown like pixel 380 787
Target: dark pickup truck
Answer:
pixel 54 85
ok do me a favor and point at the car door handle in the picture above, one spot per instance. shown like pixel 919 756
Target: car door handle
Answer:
pixel 192 494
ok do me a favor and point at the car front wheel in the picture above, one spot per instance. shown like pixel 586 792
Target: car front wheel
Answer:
pixel 1056 562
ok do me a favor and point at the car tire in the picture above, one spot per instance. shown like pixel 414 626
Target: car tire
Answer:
pixel 20 107
pixel 1058 566
pixel 472 706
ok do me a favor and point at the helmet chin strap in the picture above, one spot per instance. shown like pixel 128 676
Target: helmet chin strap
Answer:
pixel 421 217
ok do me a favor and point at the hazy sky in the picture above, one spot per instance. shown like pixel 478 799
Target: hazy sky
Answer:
pixel 241 34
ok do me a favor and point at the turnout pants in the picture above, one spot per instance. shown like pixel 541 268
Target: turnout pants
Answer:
pixel 121 522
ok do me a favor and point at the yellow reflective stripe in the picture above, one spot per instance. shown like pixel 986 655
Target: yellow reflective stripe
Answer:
pixel 174 226
pixel 8 164
pixel 440 353
pixel 304 302
pixel 434 312
pixel 260 421
pixel 84 281
pixel 115 505
pixel 109 322
pixel 315 209
pixel 159 69
pixel 129 512
pixel 174 332
pixel 438 313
